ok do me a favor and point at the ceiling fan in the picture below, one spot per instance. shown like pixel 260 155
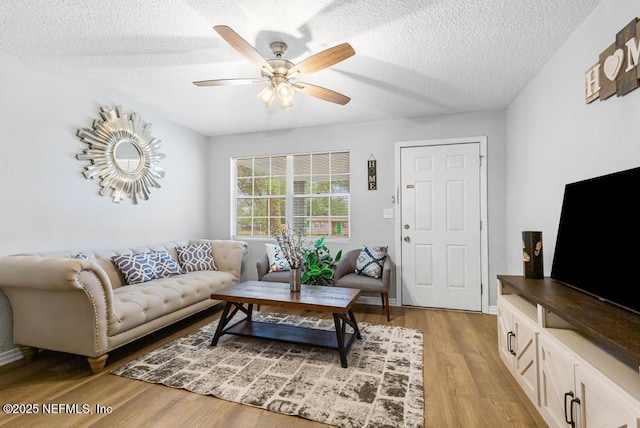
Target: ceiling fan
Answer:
pixel 282 74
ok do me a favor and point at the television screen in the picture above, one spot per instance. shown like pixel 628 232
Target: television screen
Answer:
pixel 598 245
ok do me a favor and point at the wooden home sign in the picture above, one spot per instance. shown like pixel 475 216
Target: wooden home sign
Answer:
pixel 617 71
pixel 372 178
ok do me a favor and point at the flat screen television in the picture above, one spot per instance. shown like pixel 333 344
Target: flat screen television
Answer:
pixel 598 245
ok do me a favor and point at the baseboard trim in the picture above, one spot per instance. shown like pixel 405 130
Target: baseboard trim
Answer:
pixel 10 356
pixel 375 300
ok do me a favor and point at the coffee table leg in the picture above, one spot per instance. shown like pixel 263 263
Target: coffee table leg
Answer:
pixel 340 337
pixel 354 324
pixel 224 320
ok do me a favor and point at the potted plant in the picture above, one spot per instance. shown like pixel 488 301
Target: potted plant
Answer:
pixel 317 264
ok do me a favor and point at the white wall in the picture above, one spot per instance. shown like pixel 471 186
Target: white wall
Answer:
pixel 554 138
pixel 47 204
pixel 363 140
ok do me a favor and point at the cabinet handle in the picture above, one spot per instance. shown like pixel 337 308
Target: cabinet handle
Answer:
pixel 510 335
pixel 568 416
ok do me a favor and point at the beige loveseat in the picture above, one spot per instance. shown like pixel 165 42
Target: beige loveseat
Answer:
pixel 85 306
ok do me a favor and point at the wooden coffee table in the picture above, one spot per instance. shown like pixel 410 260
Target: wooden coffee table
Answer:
pixel 336 300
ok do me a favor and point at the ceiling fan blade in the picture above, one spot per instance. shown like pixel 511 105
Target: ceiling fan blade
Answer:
pixel 322 60
pixel 227 82
pixel 322 93
pixel 244 48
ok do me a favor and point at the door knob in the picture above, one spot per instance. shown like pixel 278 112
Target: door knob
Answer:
pixel 406 226
pixel 407 239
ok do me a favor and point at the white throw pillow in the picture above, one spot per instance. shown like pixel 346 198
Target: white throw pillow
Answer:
pixel 277 260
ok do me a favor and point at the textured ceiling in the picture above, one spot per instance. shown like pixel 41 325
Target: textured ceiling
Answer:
pixel 413 57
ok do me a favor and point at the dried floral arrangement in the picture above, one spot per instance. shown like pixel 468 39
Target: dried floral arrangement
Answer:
pixel 291 242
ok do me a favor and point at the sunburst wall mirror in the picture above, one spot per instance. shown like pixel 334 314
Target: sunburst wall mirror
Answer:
pixel 122 154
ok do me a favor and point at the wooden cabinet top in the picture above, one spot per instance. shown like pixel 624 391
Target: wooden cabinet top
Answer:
pixel 614 328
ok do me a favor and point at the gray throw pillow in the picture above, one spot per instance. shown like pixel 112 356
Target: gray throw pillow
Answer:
pixel 166 265
pixel 196 257
pixel 137 267
pixel 370 261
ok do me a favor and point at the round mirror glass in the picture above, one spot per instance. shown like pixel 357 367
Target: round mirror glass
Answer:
pixel 127 156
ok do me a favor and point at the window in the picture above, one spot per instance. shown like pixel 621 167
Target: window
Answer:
pixel 309 192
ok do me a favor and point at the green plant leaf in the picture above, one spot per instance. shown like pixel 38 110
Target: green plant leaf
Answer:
pixel 318 264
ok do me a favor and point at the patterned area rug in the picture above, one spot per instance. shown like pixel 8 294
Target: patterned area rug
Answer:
pixel 382 387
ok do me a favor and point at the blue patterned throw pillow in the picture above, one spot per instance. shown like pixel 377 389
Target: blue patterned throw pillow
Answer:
pixel 137 267
pixel 196 257
pixel 166 265
pixel 370 261
pixel 277 260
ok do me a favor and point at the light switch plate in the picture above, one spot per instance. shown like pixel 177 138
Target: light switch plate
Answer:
pixel 387 213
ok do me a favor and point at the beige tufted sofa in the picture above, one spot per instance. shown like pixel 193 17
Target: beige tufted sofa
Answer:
pixel 84 307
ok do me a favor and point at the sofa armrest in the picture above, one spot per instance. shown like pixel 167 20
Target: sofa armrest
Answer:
pixel 47 273
pixel 346 264
pixel 61 304
pixel 262 266
pixel 228 255
pixel 389 273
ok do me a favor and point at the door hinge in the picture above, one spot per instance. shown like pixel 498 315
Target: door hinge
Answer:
pixel 480 224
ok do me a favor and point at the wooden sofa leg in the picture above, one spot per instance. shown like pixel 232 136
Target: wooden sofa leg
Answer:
pixel 385 304
pixel 28 352
pixel 97 363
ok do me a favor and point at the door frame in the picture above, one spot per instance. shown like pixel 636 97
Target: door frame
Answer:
pixel 484 242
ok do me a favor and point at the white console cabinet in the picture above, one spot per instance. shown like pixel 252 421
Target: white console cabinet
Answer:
pixel 576 373
pixel 517 342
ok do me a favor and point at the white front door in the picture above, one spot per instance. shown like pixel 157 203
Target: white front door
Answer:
pixel 441 230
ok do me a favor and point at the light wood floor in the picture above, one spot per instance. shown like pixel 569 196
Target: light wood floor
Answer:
pixel 466 384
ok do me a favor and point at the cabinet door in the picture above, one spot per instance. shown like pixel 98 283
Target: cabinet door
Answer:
pixel 525 364
pixel 603 404
pixel 517 345
pixel 556 380
pixel 505 325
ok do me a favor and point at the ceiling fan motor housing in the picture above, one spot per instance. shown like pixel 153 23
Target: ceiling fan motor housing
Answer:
pixel 278 48
pixel 280 67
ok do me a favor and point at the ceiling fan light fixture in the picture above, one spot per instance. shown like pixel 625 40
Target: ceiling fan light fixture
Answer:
pixel 267 95
pixel 285 94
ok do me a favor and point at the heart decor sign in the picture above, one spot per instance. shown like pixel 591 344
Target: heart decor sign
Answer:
pixel 618 71
pixel 613 64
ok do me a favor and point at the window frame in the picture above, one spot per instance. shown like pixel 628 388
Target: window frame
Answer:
pixel 289 197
